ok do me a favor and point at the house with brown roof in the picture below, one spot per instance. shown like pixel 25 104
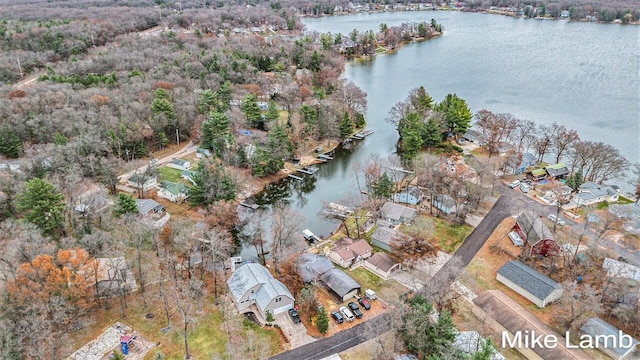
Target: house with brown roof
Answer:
pixel 346 251
pixel 382 264
pixel 538 237
pixel 508 318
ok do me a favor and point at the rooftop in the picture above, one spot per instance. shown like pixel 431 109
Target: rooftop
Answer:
pixel 397 212
pixel 611 341
pixel 529 279
pixel 383 261
pixel 533 228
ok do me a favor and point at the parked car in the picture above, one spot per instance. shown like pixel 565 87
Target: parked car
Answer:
pixel 364 303
pixel 293 313
pixel 515 238
pixel 623 259
pixel 337 317
pixel 347 313
pixel 556 219
pixel 355 309
pixel 524 187
pixel 514 184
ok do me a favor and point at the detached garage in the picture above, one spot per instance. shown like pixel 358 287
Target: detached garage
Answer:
pixel 526 281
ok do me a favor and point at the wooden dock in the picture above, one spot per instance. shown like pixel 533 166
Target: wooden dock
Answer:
pixel 360 135
pixel 295 177
pixel 310 170
pixel 250 206
pixel 325 157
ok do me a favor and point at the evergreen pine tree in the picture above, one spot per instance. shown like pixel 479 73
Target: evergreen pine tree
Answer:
pixel 10 143
pixel 252 112
pixel 42 205
pixel 126 204
pixel 346 126
pixel 322 321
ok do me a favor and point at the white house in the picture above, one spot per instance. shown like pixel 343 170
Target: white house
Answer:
pixel 253 284
pixel 174 192
pixel 526 281
pixel 591 193
pixel 202 153
pixel 138 180
pixel 180 164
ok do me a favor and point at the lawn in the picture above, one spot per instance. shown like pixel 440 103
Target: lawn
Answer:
pixel 170 174
pixel 366 279
pixel 450 236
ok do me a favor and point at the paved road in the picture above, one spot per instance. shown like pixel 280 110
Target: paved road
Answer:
pixel 341 341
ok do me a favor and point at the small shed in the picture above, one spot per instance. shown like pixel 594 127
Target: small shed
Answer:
pixel 611 340
pixel 526 281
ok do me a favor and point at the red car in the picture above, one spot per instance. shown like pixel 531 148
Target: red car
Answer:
pixel 364 303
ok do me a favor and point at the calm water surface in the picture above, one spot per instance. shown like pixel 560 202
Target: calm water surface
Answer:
pixel 582 75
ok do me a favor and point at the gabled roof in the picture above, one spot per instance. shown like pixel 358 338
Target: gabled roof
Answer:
pixel 397 212
pixel 383 261
pixel 248 276
pixel 179 162
pixel 555 170
pixel 620 269
pixel 311 266
pixel 348 248
pixel 529 279
pixel 538 172
pixel 596 326
pixel 413 191
pixel 596 190
pixel 146 205
pixel 384 234
pixel 140 178
pixel 533 228
pixel 339 282
pixel 174 188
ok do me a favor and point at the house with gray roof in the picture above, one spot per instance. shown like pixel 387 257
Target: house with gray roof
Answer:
pixel 397 214
pixel 146 182
pixel 557 171
pixel 445 204
pixel 180 164
pixel 621 269
pixel 630 214
pixel 253 284
pixel 518 163
pixel 149 207
pixel 591 193
pixel 319 269
pixel 610 339
pixel 383 236
pixel 526 281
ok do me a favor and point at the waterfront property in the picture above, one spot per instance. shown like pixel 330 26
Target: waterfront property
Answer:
pixel 591 193
pixel 346 251
pixel 397 214
pixel 410 195
pixel 526 281
pixel 518 163
pixel 557 171
pixel 253 284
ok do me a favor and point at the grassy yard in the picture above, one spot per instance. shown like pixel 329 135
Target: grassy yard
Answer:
pixel 450 236
pixel 366 279
pixel 170 174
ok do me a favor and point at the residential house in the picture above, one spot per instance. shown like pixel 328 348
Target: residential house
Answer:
pixel 445 204
pixel 591 193
pixel 112 276
pixel 180 164
pixel 148 207
pixel 319 269
pixel 382 264
pixel 383 237
pixel 539 238
pixel 526 281
pixel 411 195
pixel 202 153
pixel 621 269
pixel 174 192
pixel 397 214
pixel 253 284
pixel 508 317
pixel 610 339
pixel 145 181
pixel 518 163
pixel 346 251
pixel 557 171
pixel 565 14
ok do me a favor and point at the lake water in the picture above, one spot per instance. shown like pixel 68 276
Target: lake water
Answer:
pixel 582 75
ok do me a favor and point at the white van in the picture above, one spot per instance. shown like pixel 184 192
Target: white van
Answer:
pixel 347 313
pixel 524 188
